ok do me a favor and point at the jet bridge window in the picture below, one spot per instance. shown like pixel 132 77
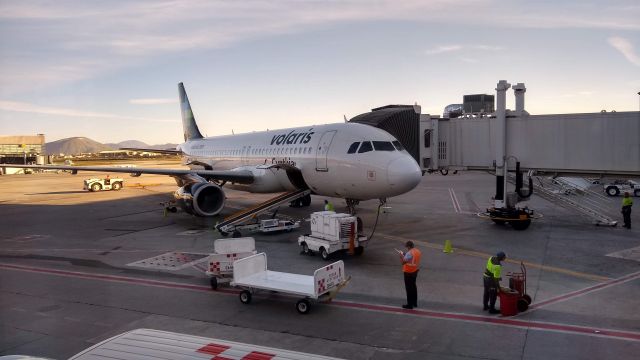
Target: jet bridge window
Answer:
pixel 365 147
pixel 383 146
pixel 353 148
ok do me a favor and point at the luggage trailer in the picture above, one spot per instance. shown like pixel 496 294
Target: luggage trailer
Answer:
pixel 251 274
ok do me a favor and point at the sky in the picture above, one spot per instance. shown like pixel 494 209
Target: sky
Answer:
pixel 108 70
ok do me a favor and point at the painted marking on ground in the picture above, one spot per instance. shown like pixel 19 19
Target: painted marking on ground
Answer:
pixel 512 261
pixel 627 254
pixel 587 290
pixel 454 200
pixel 471 318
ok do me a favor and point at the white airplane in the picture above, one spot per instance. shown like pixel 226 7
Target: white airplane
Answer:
pixel 347 160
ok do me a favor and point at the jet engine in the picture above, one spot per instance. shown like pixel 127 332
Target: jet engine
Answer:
pixel 201 198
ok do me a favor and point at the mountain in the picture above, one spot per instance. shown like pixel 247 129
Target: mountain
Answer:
pixel 75 145
pixel 128 144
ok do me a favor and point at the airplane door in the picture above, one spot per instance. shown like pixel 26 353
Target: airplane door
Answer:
pixel 323 150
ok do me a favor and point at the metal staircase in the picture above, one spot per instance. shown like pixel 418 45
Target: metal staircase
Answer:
pixel 575 196
pixel 245 214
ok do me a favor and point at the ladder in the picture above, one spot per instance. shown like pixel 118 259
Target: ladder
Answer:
pixel 586 202
pixel 228 224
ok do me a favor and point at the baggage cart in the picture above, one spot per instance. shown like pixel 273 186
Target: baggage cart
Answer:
pixel 251 274
pixel 518 283
pixel 226 251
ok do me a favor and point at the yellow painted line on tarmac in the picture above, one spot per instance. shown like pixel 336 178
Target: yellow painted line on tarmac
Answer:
pixel 483 255
pixel 139 185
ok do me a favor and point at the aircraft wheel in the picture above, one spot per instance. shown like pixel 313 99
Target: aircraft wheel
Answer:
pixel 245 296
pixel 306 201
pixel 359 250
pixel 214 283
pixel 303 306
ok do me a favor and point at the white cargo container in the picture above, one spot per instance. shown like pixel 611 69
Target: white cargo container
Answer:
pixel 331 232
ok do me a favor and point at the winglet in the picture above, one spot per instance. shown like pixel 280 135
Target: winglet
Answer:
pixel 189 125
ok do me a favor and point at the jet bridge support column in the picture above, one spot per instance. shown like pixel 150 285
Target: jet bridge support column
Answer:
pixel 500 137
pixel 504 204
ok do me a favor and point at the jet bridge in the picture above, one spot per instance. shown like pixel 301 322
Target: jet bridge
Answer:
pixel 594 144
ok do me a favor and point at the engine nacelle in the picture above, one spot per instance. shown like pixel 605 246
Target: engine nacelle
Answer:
pixel 201 198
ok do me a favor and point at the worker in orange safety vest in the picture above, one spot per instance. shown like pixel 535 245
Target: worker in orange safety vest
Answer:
pixel 410 267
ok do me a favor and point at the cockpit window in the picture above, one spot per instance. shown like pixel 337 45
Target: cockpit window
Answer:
pixel 353 148
pixel 383 146
pixel 365 147
pixel 398 145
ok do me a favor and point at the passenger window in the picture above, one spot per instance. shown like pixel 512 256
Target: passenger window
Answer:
pixel 365 147
pixel 383 146
pixel 353 148
pixel 398 145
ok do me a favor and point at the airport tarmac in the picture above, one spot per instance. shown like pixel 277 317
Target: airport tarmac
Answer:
pixel 66 282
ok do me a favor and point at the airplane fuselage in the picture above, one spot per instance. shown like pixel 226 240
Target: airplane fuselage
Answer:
pixel 344 160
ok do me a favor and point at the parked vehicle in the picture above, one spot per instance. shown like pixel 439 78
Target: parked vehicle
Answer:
pixel 621 186
pixel 97 184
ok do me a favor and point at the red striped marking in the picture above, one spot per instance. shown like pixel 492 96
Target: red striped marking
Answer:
pixel 115 278
pixel 510 322
pixel 586 290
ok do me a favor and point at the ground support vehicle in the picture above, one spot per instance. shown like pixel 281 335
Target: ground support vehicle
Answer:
pixel 518 282
pixel 265 226
pixel 251 274
pixel 226 251
pixel 332 232
pixel 621 186
pixel 97 184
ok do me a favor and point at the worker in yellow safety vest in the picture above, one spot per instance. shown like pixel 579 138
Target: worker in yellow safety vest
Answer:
pixel 492 277
pixel 627 203
pixel 328 206
pixel 410 267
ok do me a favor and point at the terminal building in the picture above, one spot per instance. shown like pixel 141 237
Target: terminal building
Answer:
pixel 22 149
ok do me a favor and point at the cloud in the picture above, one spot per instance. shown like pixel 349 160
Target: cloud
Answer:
pixel 444 49
pixel 47 110
pixel 454 48
pixel 89 39
pixel 152 101
pixel 625 47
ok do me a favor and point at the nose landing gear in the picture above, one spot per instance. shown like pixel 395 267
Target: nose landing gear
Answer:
pixel 351 205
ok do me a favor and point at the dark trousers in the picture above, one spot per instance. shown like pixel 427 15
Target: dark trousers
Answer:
pixel 490 293
pixel 411 288
pixel 626 215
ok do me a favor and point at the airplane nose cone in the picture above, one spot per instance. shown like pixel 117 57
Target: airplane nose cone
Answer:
pixel 404 174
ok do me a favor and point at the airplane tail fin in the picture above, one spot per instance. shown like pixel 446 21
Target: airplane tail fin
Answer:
pixel 189 125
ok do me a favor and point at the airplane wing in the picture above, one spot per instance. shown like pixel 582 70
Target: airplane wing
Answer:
pixel 157 151
pixel 237 176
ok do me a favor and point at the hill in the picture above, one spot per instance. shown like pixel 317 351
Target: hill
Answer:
pixel 128 144
pixel 75 145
